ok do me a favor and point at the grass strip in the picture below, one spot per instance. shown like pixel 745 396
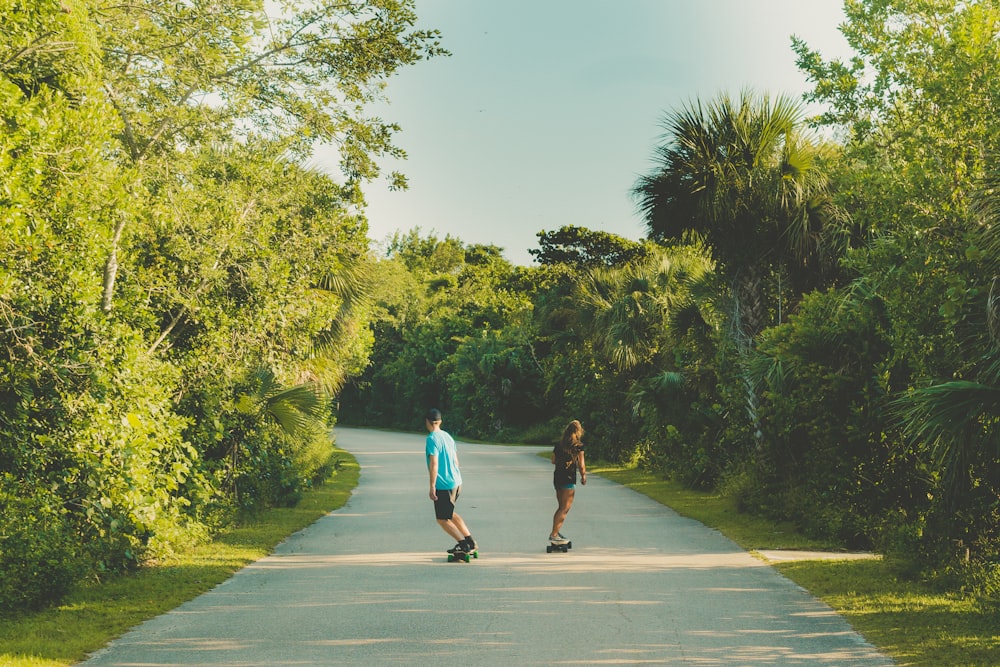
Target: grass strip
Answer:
pixel 93 615
pixel 909 620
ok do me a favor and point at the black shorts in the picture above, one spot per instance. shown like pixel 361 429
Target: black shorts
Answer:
pixel 444 506
pixel 563 481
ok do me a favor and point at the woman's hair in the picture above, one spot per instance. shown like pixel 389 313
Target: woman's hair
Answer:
pixel 571 437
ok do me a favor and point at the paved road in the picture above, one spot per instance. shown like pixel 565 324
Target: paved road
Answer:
pixel 370 584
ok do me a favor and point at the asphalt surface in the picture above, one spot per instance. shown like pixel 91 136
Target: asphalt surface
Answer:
pixel 370 584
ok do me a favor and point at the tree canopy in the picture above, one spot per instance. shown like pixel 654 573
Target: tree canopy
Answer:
pixel 582 248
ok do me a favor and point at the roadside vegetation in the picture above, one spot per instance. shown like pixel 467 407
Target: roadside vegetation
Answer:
pixel 810 329
pixel 93 614
pixel 181 296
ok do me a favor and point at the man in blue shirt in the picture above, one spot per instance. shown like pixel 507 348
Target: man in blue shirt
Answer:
pixel 445 481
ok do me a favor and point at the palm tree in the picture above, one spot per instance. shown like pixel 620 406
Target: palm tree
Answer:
pixel 625 309
pixel 622 317
pixel 741 176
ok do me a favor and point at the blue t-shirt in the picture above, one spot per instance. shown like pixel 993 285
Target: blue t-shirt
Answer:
pixel 441 445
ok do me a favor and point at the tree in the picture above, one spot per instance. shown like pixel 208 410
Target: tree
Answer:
pixel 917 105
pixel 161 248
pixel 583 249
pixel 624 310
pixel 253 264
pixel 184 75
pixel 495 383
pixel 621 319
pixel 741 175
pixel 87 439
pixel 919 96
pixel 446 318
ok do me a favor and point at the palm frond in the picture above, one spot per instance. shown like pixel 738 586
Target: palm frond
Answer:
pixel 768 370
pixel 297 409
pixel 958 421
pixel 349 282
pixel 993 311
pixel 668 381
pixel 264 383
pixel 986 207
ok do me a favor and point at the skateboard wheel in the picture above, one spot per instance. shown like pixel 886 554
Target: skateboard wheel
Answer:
pixel 548 549
pixel 569 545
pixel 451 558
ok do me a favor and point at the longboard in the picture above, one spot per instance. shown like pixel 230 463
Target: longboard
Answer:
pixel 564 547
pixel 465 556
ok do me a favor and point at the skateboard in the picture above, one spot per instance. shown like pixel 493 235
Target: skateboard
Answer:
pixel 558 547
pixel 465 556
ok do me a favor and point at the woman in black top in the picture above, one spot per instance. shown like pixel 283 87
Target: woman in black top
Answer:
pixel 567 457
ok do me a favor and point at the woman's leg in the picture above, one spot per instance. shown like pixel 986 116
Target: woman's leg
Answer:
pixel 565 499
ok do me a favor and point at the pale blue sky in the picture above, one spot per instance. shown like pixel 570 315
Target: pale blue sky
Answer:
pixel 547 111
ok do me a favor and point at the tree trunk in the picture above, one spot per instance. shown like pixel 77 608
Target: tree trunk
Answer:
pixel 111 268
pixel 750 309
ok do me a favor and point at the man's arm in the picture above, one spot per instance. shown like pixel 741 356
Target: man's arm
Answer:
pixel 432 469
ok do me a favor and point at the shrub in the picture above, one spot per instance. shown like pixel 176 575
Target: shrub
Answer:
pixel 39 559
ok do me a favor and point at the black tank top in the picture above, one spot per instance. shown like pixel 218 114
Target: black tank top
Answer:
pixel 566 465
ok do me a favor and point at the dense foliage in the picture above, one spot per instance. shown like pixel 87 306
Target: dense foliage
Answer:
pixel 180 298
pixel 811 326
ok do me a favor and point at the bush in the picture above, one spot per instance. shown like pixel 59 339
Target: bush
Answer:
pixel 827 456
pixel 39 559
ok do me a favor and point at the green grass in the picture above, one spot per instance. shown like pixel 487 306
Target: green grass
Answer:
pixel 712 510
pixel 94 615
pixel 910 621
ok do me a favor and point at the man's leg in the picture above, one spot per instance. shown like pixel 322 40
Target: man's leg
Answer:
pixel 449 526
pixel 459 524
pixel 444 506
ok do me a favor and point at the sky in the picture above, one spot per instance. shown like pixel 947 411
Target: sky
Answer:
pixel 548 111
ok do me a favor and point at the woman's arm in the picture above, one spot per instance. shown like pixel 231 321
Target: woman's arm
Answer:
pixel 583 469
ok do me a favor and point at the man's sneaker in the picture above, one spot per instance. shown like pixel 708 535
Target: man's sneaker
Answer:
pixel 558 539
pixel 470 545
pixel 458 548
